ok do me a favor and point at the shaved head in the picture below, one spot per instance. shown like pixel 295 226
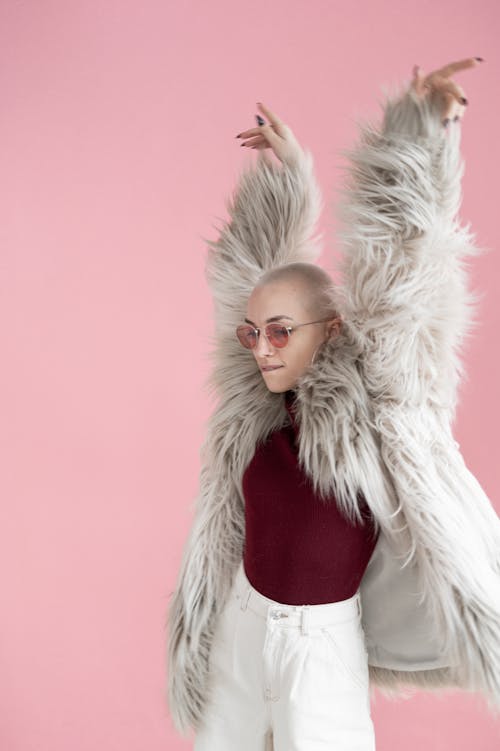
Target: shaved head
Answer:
pixel 317 288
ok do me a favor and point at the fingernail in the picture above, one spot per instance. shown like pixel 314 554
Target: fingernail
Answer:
pixel 479 59
pixel 260 120
pixel 243 144
pixel 239 134
pixel 463 100
pixel 446 122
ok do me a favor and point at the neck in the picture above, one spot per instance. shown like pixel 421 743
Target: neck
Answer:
pixel 290 403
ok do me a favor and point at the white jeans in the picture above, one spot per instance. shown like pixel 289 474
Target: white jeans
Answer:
pixel 287 677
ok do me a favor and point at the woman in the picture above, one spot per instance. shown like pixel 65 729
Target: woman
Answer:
pixel 273 638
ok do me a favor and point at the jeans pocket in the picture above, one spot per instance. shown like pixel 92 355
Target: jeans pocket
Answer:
pixel 347 643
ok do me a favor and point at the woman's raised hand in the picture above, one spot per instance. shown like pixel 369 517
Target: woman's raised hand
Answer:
pixel 275 135
pixel 438 83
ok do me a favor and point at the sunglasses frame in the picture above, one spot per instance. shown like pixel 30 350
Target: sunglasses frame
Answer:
pixel 288 329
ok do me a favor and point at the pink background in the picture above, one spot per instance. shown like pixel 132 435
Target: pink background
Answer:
pixel 118 150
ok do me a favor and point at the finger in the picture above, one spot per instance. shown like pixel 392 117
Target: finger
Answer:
pixel 249 132
pixel 448 70
pixel 450 107
pixel 453 88
pixel 440 85
pixel 272 137
pixel 256 140
pixel 459 115
pixel 272 117
pixel 263 129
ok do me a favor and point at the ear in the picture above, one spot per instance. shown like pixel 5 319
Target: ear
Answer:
pixel 333 327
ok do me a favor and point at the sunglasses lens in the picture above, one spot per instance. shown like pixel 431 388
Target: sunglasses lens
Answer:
pixel 277 335
pixel 247 336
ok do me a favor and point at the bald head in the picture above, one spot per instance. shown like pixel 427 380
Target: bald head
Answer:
pixel 316 287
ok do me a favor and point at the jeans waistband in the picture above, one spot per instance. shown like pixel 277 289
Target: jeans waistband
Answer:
pixel 294 615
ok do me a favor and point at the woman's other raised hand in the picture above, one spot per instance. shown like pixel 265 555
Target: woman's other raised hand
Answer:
pixel 275 135
pixel 451 96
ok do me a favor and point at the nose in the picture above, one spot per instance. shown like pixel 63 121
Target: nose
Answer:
pixel 263 347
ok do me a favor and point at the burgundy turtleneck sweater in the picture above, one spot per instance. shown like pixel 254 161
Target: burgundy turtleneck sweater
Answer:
pixel 298 549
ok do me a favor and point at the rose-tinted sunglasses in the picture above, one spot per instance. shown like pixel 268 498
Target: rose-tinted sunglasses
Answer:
pixel 277 334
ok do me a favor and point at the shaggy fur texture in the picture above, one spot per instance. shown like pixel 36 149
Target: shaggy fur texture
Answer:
pixel 375 411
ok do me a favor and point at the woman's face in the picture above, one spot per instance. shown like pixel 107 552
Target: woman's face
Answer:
pixel 284 302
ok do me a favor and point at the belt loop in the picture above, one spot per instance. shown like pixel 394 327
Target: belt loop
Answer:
pixel 304 620
pixel 245 598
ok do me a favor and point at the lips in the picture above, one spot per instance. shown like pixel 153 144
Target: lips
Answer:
pixel 268 368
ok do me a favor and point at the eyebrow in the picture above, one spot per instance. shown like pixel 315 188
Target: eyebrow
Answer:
pixel 273 318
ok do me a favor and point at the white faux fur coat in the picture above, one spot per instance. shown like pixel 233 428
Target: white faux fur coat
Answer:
pixel 375 411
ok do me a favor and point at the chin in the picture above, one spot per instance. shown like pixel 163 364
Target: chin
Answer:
pixel 279 388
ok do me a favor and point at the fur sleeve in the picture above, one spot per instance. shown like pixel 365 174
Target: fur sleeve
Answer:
pixel 404 266
pixel 214 541
pixel 272 216
pixel 272 213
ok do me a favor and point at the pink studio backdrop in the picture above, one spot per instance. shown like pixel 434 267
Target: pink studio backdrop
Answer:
pixel 118 150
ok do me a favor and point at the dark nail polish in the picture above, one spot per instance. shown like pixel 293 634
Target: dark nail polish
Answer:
pixel 260 120
pixel 243 144
pixel 479 59
pixel 446 122
pixel 239 134
pixel 463 100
